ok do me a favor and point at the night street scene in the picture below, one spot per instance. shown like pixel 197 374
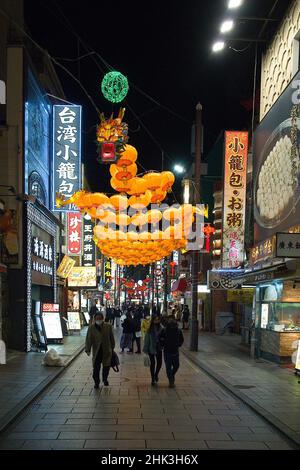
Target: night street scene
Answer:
pixel 150 231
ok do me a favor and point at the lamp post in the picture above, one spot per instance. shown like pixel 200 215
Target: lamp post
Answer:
pixel 195 258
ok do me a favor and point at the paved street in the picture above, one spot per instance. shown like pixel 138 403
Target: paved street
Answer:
pixel 130 414
pixel 23 376
pixel 272 389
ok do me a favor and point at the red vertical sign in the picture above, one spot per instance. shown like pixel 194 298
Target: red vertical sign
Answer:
pixel 74 224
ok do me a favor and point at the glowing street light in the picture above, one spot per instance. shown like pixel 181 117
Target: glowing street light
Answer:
pixel 234 4
pixel 226 26
pixel 218 46
pixel 179 169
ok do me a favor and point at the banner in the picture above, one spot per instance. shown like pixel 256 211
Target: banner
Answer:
pixel 89 247
pixel 66 152
pixel 276 190
pixel 234 198
pixel 74 227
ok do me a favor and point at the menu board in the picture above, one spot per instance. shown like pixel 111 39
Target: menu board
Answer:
pixel 52 323
pixel 74 321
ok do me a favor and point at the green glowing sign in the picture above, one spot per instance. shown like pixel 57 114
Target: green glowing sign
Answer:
pixel 114 86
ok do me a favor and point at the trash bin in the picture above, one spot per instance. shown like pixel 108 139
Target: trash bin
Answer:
pixel 223 320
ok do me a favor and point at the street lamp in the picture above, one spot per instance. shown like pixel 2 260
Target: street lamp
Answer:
pixel 179 169
pixel 226 26
pixel 234 4
pixel 218 46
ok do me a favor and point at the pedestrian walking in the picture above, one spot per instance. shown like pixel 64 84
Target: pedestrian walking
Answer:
pixel 110 318
pixel 94 309
pixel 153 348
pixel 126 338
pixel 117 316
pixel 100 339
pixel 137 334
pixel 185 317
pixel 171 338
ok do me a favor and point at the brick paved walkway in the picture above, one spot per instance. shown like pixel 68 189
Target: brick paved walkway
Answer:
pixel 130 414
pixel 24 376
pixel 271 389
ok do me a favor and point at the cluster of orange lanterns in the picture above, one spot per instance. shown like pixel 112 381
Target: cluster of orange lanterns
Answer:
pixel 127 239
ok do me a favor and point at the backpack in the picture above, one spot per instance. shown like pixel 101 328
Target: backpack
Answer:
pixel 115 362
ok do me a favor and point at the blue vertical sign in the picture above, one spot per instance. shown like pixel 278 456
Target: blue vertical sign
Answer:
pixel 66 152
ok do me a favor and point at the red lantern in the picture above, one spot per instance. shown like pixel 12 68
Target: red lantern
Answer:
pixel 208 231
pixel 173 264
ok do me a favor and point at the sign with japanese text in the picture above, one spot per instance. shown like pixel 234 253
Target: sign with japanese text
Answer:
pixel 82 276
pixel 89 247
pixel 66 152
pixel 74 227
pixel 234 198
pixel 42 257
pixel 263 251
pixel 288 245
pixel 52 323
pixel 65 267
pixel 244 296
pixel 74 322
pixel 107 273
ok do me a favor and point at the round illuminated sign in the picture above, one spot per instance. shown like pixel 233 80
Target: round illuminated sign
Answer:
pixel 114 86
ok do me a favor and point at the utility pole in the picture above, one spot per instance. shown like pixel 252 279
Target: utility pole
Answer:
pixel 165 304
pixel 196 252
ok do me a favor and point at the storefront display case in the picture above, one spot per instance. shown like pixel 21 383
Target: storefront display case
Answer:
pixel 278 308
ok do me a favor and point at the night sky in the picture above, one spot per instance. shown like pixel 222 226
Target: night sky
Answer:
pixel 164 49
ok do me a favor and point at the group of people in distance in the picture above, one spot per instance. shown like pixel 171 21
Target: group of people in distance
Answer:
pixel 161 336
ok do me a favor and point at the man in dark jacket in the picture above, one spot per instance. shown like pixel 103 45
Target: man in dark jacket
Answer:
pixel 100 339
pixel 171 338
pixel 94 309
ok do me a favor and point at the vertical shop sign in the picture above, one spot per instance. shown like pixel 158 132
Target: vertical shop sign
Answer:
pixel 66 152
pixel 107 273
pixel 74 226
pixel 234 198
pixel 89 247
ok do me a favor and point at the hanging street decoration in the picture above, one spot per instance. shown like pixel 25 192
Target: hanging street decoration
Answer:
pixel 127 230
pixel 114 86
pixel 112 135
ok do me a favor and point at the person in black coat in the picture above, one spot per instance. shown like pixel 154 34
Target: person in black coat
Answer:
pixel 185 317
pixel 128 330
pixel 94 309
pixel 137 322
pixel 171 338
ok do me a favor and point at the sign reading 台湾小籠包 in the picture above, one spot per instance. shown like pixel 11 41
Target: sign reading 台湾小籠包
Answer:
pixel 288 245
pixel 74 227
pixel 234 198
pixel 89 247
pixel 66 152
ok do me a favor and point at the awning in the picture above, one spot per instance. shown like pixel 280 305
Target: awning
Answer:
pixel 180 285
pixel 278 271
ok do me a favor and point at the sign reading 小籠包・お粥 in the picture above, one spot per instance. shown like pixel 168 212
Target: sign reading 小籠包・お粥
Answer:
pixel 66 152
pixel 74 233
pixel 235 180
pixel 42 257
pixel 288 245
pixel 89 247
